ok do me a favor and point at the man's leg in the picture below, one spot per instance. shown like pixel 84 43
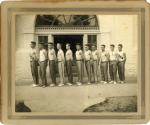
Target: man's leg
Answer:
pixel 122 71
pixel 40 73
pixel 95 68
pixel 32 72
pixel 92 70
pixel 111 71
pixel 87 64
pixel 61 72
pixel 43 71
pixel 80 70
pixel 105 65
pixel 36 73
pixel 115 71
pixel 52 67
pixel 69 71
pixel 102 71
pixel 119 71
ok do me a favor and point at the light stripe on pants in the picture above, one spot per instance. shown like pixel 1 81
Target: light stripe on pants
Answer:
pixel 80 70
pixel 94 70
pixel 61 71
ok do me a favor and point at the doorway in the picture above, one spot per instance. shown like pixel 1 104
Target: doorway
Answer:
pixel 71 39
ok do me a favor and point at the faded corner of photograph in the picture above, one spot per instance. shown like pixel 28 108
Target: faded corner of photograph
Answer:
pixel 76 63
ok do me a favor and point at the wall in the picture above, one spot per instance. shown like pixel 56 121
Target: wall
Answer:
pixel 24 34
pixel 121 29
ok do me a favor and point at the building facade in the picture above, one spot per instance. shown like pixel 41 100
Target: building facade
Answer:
pixel 92 29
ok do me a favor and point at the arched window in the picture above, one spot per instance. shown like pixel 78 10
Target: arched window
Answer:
pixel 66 21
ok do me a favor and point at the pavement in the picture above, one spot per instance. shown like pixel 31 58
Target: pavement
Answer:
pixel 70 98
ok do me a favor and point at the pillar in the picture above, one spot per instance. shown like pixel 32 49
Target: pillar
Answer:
pixel 98 41
pixel 50 38
pixel 85 39
pixel 36 40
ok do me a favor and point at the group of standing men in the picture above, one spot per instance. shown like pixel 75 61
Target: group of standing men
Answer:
pixel 90 58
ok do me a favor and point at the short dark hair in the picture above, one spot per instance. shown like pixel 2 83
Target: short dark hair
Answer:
pixel 86 45
pixel 78 44
pixel 33 42
pixel 50 43
pixel 112 45
pixel 103 45
pixel 68 44
pixel 59 44
pixel 120 45
pixel 93 45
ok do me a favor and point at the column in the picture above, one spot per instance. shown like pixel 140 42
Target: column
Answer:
pixel 98 41
pixel 36 40
pixel 50 38
pixel 85 39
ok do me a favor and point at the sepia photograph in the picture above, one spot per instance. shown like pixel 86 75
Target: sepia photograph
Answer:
pixel 76 63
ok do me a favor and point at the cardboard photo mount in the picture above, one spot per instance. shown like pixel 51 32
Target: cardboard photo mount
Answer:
pixel 9 9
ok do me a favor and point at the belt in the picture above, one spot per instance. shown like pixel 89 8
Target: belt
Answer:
pixel 51 60
pixel 69 60
pixel 104 61
pixel 43 61
pixel 120 61
pixel 113 60
pixel 33 60
pixel 78 60
pixel 87 60
pixel 60 61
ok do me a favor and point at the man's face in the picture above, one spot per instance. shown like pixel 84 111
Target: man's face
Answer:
pixel 93 48
pixel 119 48
pixel 58 46
pixel 102 48
pixel 67 47
pixel 111 48
pixel 78 47
pixel 86 48
pixel 50 46
pixel 32 45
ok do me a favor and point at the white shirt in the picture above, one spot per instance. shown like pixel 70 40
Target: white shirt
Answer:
pixel 121 56
pixel 79 55
pixel 51 54
pixel 43 55
pixel 113 56
pixel 87 55
pixel 32 54
pixel 104 56
pixel 95 55
pixel 69 55
pixel 60 55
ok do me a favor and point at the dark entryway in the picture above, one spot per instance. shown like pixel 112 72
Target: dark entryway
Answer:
pixel 72 39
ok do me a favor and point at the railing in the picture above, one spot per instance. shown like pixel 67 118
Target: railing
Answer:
pixel 67 28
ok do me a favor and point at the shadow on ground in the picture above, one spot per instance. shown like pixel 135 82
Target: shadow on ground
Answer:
pixel 115 104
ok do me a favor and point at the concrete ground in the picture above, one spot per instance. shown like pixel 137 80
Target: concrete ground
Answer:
pixel 70 98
